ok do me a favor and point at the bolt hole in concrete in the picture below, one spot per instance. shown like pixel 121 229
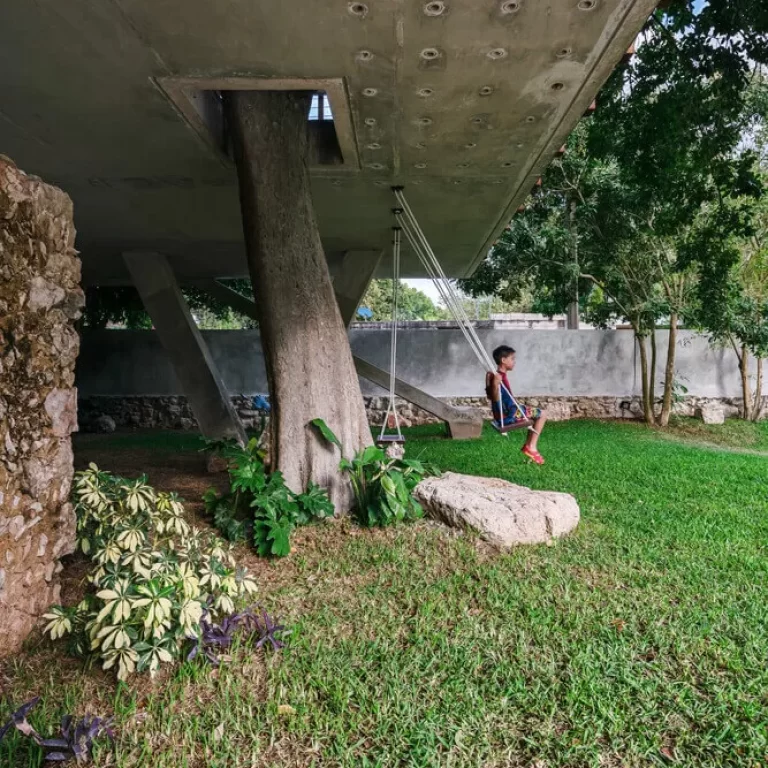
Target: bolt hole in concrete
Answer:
pixel 497 53
pixel 420 145
pixel 506 164
pixel 425 92
pixel 370 121
pixel 424 121
pixel 563 52
pixel 370 92
pixel 486 90
pixel 430 54
pixel 364 55
pixel 587 5
pixel 374 145
pixel 470 145
pixel 511 6
pixel 557 86
pixel 376 166
pixel 420 166
pixel 434 8
pixel 463 165
pixel 477 121
pixel 530 119
pixel 358 9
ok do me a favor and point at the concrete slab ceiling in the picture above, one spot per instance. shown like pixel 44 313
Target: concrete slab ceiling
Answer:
pixel 464 102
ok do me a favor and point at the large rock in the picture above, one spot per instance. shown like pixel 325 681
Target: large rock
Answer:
pixel 712 413
pixel 502 513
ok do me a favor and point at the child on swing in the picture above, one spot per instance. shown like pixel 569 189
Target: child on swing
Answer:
pixel 506 409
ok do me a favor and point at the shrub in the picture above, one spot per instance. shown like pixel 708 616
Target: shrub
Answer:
pixel 383 486
pixel 259 504
pixel 154 575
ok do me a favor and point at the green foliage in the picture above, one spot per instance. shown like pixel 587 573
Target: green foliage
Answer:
pixel 121 307
pixel 153 575
pixel 383 486
pixel 259 504
pixel 412 303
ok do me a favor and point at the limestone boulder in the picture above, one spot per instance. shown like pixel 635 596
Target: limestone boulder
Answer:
pixel 712 413
pixel 504 514
pixel 104 423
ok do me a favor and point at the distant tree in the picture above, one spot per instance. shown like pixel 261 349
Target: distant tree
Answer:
pixel 413 304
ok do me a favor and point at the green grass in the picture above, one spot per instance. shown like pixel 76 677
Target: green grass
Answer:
pixel 642 639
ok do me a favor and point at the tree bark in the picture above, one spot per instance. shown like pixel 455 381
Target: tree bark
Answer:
pixel 757 402
pixel 647 403
pixel 746 390
pixel 669 371
pixel 652 372
pixel 306 348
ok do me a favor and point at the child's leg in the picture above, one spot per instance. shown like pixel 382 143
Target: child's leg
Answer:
pixel 538 426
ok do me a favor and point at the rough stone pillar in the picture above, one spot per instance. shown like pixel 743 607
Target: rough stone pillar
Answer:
pixel 40 298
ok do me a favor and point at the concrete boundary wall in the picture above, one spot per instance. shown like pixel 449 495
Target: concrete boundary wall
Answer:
pixel 438 360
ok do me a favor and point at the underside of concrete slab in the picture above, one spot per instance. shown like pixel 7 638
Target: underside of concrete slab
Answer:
pixel 464 103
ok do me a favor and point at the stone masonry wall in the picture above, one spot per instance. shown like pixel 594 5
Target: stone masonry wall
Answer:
pixel 104 412
pixel 40 298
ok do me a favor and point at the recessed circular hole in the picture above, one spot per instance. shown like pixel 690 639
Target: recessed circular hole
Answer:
pixel 369 92
pixel 457 181
pixel 430 54
pixel 358 9
pixel 470 145
pixel 557 86
pixel 510 6
pixel 374 145
pixel 530 119
pixel 564 51
pixel 506 164
pixel 463 165
pixel 497 53
pixel 424 121
pixel 425 92
pixel 375 166
pixel 434 8
pixel 587 5
pixel 486 90
pixel 336 182
pixel 420 145
pixel 477 120
pixel 364 55
pixel 370 121
pixel 420 166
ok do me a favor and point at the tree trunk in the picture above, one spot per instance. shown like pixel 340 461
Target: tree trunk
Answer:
pixel 306 349
pixel 669 371
pixel 757 402
pixel 652 373
pixel 746 391
pixel 647 402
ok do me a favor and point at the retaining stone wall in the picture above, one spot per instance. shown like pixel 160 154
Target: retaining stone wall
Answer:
pixel 40 298
pixel 173 411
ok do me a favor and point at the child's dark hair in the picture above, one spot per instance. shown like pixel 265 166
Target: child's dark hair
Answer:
pixel 501 352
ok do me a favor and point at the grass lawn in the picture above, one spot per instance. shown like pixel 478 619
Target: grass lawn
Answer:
pixel 642 639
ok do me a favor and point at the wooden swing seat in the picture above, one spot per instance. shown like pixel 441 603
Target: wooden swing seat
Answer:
pixel 390 439
pixel 524 424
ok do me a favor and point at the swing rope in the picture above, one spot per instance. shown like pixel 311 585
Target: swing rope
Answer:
pixel 391 407
pixel 407 220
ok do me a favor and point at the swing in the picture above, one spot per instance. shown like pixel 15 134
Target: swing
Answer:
pixel 397 437
pixel 418 241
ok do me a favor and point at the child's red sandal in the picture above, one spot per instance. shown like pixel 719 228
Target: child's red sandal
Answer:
pixel 534 456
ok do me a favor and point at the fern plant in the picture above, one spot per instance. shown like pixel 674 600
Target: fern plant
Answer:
pixel 260 505
pixel 153 575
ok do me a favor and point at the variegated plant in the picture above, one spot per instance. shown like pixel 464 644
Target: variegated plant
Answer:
pixel 153 575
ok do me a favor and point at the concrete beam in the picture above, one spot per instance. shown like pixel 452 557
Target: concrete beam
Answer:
pixel 352 277
pixel 192 362
pixel 462 424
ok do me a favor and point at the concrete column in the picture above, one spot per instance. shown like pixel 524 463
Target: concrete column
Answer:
pixel 153 277
pixel 351 279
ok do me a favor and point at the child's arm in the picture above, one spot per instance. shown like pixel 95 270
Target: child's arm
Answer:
pixel 493 385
